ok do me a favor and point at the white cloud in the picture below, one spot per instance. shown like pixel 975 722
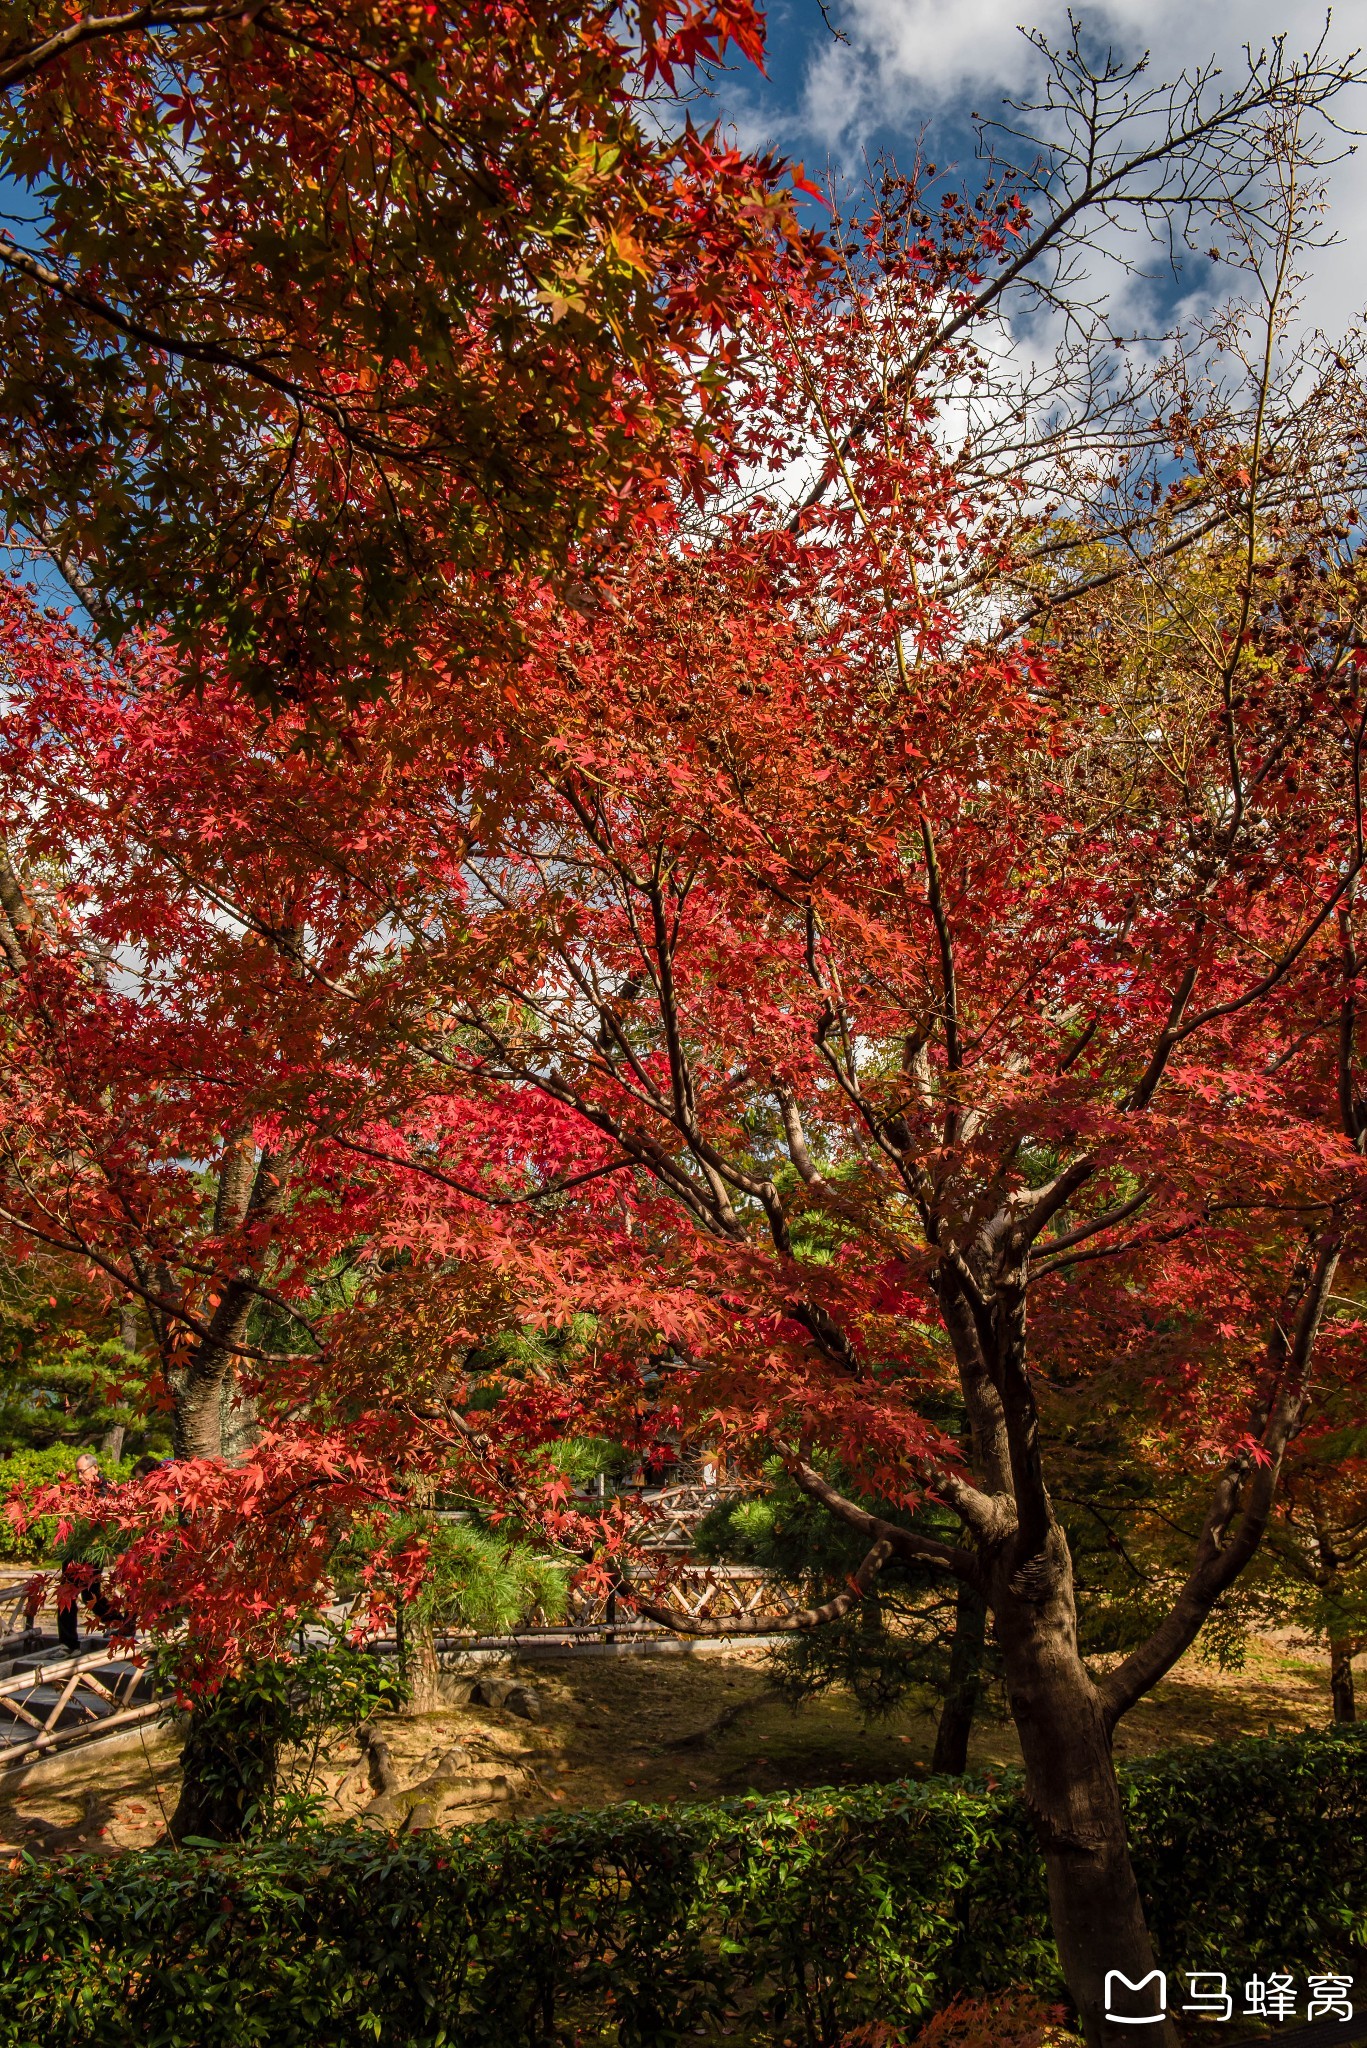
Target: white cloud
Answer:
pixel 908 57
pixel 909 62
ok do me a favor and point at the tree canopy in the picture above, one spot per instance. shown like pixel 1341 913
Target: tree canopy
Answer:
pixel 880 952
pixel 317 321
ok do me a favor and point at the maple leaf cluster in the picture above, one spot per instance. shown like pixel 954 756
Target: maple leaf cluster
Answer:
pixel 317 318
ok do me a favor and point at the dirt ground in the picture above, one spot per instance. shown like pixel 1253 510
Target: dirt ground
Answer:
pixel 654 1729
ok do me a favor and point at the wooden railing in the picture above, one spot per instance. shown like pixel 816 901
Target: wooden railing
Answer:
pixel 13 1610
pixel 667 1520
pixel 30 1723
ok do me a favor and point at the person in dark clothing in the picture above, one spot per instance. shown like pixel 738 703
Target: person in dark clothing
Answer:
pixel 79 1579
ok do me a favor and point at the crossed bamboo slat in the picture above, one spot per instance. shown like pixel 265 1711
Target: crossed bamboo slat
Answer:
pixel 72 1675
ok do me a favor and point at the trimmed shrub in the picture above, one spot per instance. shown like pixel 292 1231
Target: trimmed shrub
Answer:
pixel 807 1919
pixel 1248 1848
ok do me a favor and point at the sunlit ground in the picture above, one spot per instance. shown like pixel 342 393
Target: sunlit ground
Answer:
pixel 650 1729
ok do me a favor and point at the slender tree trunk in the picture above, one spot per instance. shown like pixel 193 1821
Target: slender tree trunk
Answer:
pixel 965 1684
pixel 211 1420
pixel 1341 1649
pixel 197 1419
pixel 416 1645
pixel 1074 1799
pixel 415 1629
pixel 424 1672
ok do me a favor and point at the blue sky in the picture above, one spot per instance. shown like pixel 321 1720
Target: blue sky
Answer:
pixel 911 63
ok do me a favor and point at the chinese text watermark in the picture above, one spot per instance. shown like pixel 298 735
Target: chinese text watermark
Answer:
pixel 1210 1994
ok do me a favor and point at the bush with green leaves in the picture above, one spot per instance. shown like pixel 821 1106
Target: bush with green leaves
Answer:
pixel 798 1919
pixel 253 1746
pixel 23 1469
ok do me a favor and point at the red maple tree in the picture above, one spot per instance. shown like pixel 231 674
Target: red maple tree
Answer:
pixel 822 986
pixel 218 1108
pixel 953 1030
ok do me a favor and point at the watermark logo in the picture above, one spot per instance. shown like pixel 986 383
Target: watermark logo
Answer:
pixel 1208 1993
pixel 1123 1996
pixel 1276 1996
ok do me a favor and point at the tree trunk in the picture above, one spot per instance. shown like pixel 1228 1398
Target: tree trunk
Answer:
pixel 416 1644
pixel 415 1626
pixel 197 1418
pixel 965 1684
pixel 1341 1650
pixel 212 1419
pixel 1074 1800
pixel 238 1425
pixel 228 1768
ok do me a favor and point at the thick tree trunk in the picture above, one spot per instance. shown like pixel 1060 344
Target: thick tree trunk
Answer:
pixel 239 1426
pixel 965 1684
pixel 1341 1650
pixel 1074 1798
pixel 212 1417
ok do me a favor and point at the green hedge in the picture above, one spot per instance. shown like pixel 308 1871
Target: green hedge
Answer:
pixel 793 1918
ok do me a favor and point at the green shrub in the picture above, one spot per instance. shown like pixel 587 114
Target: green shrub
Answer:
pixel 253 1747
pixel 28 1468
pixel 801 1918
pixel 1246 1846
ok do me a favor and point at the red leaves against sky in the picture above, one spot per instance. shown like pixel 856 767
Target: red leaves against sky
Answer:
pixel 613 982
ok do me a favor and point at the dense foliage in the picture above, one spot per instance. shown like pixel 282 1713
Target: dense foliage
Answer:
pixel 800 1917
pixel 876 948
pixel 319 318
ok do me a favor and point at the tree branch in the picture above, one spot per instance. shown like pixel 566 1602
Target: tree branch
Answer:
pixel 90 28
pixel 906 1543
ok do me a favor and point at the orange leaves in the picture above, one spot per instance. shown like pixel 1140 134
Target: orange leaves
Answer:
pixel 437 333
